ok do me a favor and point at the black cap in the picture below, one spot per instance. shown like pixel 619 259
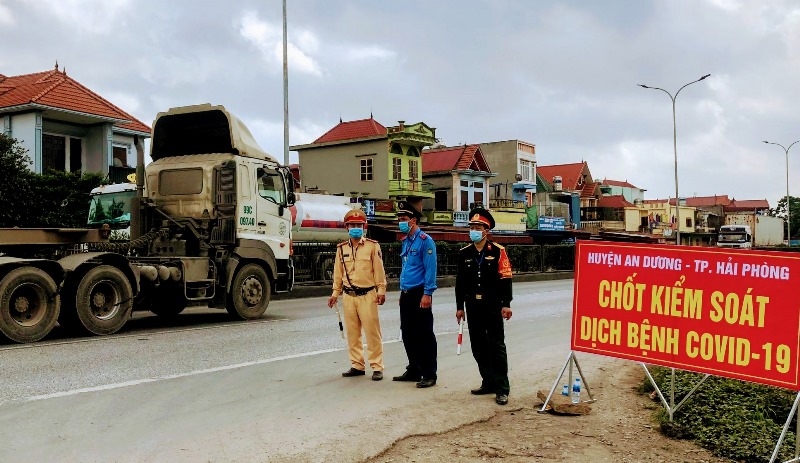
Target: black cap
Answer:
pixel 405 208
pixel 481 216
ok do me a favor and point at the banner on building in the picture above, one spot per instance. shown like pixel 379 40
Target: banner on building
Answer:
pixel 732 313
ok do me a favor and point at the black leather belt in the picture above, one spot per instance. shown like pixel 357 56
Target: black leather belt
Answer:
pixel 357 291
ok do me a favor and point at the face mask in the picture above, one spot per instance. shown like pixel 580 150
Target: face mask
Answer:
pixel 475 235
pixel 405 227
pixel 356 233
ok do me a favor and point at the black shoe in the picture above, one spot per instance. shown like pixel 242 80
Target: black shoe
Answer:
pixel 407 377
pixel 425 382
pixel 501 399
pixel 481 391
pixel 353 372
pixel 377 375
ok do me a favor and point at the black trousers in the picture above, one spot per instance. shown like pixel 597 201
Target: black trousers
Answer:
pixel 416 324
pixel 487 339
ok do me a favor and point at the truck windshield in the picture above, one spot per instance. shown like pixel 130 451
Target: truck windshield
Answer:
pixel 732 237
pixel 111 208
pixel 271 185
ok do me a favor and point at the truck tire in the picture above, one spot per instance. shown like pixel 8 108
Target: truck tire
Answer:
pixel 29 304
pixel 103 300
pixel 250 293
pixel 326 270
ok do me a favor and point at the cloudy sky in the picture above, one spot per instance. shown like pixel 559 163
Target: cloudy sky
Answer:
pixel 559 74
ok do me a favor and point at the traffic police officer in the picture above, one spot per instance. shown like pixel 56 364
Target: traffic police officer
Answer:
pixel 483 285
pixel 417 284
pixel 358 272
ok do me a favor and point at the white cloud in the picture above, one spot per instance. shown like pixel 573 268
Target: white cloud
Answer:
pixel 368 53
pixel 6 17
pixel 94 16
pixel 269 41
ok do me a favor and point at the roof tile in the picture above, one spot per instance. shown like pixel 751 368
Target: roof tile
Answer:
pixel 58 90
pixel 352 130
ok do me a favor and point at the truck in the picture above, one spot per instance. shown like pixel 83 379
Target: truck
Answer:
pixel 316 225
pixel 750 230
pixel 210 225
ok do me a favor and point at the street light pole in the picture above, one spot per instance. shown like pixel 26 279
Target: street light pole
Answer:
pixel 285 92
pixel 788 211
pixel 675 151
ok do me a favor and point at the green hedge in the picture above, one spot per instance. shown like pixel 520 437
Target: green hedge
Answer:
pixel 733 419
pixel 54 199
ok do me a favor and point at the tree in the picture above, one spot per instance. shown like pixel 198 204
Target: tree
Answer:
pixel 794 208
pixel 15 182
pixel 53 199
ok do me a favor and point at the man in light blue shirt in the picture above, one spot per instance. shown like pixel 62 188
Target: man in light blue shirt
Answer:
pixel 417 284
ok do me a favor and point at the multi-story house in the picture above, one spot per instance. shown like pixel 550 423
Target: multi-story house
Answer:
pixel 65 126
pixel 514 162
pixel 573 184
pixel 365 159
pixel 631 193
pixel 459 179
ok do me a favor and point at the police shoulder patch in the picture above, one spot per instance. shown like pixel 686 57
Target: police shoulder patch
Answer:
pixel 423 235
pixel 498 246
pixel 370 240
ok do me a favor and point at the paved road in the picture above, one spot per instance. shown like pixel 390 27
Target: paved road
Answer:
pixel 258 391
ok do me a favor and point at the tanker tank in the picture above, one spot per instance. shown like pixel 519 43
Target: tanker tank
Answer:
pixel 318 218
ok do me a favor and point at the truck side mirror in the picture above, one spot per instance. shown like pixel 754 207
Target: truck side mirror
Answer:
pixel 290 198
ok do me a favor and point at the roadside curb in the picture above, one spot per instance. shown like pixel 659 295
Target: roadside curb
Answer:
pixel 304 291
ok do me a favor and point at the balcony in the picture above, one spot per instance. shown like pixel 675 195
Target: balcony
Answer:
pixel 409 188
pixel 594 226
pixel 507 204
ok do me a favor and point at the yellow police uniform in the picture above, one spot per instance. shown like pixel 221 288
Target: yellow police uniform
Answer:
pixel 358 273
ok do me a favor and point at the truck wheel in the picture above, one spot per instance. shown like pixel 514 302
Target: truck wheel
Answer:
pixel 326 270
pixel 250 293
pixel 168 301
pixel 103 300
pixel 29 304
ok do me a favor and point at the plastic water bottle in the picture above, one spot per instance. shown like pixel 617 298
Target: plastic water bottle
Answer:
pixel 565 390
pixel 576 391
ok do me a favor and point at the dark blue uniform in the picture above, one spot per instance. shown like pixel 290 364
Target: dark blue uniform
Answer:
pixel 483 285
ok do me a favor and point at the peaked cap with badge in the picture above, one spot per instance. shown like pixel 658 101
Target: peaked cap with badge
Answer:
pixel 355 216
pixel 481 216
pixel 405 208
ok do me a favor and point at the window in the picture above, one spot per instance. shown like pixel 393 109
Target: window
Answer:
pixel 525 169
pixel 397 166
pixel 270 185
pixel 478 185
pixel 478 199
pixel 464 200
pixel 688 221
pixel 440 201
pixel 464 183
pixel 120 156
pixel 75 154
pixel 366 170
pixel 412 170
pixel 54 153
pixel 180 181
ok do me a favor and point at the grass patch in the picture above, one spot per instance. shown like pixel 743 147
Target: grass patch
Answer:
pixel 733 419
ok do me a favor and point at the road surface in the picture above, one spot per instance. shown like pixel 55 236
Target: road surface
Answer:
pixel 270 390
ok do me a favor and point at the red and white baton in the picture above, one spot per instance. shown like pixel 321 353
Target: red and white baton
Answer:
pixel 341 327
pixel 460 336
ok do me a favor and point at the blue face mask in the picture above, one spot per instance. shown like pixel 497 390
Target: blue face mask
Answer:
pixel 404 227
pixel 356 233
pixel 475 235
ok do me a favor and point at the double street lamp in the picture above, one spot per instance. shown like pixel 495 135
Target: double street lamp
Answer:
pixel 675 150
pixel 788 213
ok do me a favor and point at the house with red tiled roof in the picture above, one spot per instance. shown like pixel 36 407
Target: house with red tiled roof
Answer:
pixel 63 125
pixel 573 182
pixel 631 192
pixel 459 179
pixel 364 158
